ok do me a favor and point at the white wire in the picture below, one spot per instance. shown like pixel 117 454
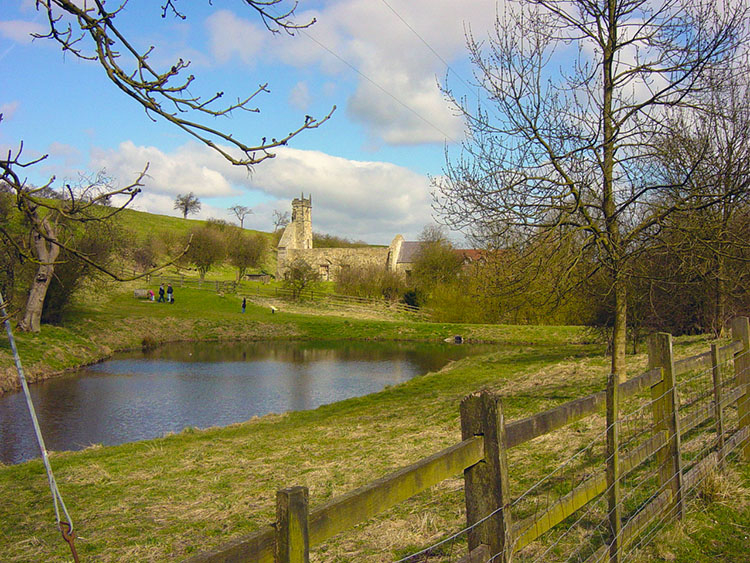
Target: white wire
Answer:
pixel 56 495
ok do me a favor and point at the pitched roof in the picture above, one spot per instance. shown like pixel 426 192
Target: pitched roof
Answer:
pixel 469 254
pixel 409 252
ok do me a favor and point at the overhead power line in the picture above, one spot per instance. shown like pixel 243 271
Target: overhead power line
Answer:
pixel 381 88
pixel 423 40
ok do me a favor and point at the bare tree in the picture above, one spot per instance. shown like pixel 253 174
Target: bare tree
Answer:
pixel 569 147
pixel 715 143
pixel 300 276
pixel 47 221
pixel 187 204
pixel 240 211
pixel 280 220
pixel 91 31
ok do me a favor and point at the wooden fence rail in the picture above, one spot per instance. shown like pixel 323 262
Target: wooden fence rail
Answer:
pixel 337 299
pixel 482 457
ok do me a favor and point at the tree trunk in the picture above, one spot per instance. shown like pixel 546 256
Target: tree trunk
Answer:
pixel 719 299
pixel 47 253
pixel 612 223
pixel 619 333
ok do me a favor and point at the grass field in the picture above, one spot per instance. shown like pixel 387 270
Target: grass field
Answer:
pixel 165 499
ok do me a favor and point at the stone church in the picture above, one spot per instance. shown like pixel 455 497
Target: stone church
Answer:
pixel 297 243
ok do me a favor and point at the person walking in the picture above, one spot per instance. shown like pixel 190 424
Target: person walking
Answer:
pixel 244 304
pixel 161 293
pixel 170 293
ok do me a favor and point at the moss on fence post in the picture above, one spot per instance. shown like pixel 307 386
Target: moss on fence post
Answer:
pixel 741 332
pixel 716 369
pixel 613 468
pixel 486 483
pixel 667 420
pixel 292 537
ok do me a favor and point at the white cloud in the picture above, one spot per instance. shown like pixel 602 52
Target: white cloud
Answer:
pixel 299 97
pixel 423 118
pixel 233 36
pixel 20 31
pixel 69 154
pixel 190 169
pixel 9 109
pixel 372 38
pixel 371 201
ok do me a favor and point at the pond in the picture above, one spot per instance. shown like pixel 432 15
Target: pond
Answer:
pixel 142 395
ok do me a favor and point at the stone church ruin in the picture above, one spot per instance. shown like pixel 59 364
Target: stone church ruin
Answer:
pixel 297 243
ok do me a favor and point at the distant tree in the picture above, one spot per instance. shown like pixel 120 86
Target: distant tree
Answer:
pixel 280 220
pixel 321 240
pixel 370 281
pixel 245 251
pixel 221 225
pixel 437 261
pixel 206 249
pixel 145 254
pixel 299 277
pixel 187 203
pixel 240 211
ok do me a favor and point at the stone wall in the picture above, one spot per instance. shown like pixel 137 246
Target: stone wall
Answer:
pixel 329 261
pixel 297 242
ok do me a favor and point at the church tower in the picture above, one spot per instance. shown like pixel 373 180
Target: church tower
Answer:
pixel 302 220
pixel 297 234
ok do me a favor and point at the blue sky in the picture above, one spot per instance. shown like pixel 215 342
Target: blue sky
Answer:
pixel 367 168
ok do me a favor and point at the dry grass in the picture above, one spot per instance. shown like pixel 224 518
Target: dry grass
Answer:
pixel 159 500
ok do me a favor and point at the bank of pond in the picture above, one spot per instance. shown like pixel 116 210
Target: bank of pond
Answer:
pixel 146 394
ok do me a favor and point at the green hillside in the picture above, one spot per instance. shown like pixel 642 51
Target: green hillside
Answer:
pixel 144 225
pixel 168 235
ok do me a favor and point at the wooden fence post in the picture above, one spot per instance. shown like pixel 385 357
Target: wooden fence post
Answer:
pixel 613 467
pixel 666 419
pixel 741 332
pixel 292 536
pixel 716 370
pixel 486 483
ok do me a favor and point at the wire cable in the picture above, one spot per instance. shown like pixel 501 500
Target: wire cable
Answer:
pixel 378 86
pixel 434 52
pixel 66 527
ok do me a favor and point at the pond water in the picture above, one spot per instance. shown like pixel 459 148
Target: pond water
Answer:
pixel 142 395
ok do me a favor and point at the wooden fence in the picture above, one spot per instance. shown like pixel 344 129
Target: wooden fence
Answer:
pixel 263 289
pixel 223 286
pixel 721 383
pixel 345 301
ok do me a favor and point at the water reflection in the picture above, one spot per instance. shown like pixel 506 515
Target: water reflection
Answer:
pixel 139 395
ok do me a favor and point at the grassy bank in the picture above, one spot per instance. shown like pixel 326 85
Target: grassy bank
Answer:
pixel 113 320
pixel 164 499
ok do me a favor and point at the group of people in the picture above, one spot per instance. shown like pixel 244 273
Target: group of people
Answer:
pixel 169 292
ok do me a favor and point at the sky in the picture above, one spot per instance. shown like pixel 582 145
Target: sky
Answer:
pixel 380 62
